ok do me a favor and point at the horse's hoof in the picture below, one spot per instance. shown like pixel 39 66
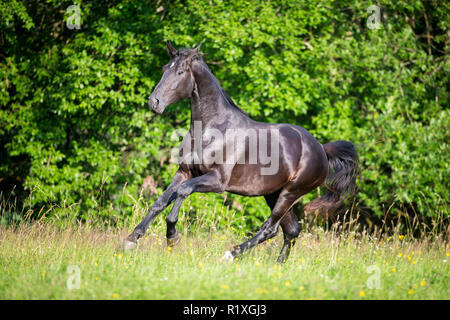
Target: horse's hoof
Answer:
pixel 173 241
pixel 128 245
pixel 228 257
pixel 281 260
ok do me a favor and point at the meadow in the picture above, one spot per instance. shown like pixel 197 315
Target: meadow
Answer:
pixel 82 156
pixel 41 261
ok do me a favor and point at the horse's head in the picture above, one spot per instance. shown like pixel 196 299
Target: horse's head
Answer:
pixel 177 82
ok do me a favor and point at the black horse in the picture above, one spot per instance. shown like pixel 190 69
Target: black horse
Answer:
pixel 297 164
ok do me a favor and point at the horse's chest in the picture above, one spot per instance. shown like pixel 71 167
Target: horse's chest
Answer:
pixel 198 156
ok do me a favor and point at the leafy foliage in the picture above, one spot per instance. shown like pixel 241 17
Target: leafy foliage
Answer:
pixel 75 127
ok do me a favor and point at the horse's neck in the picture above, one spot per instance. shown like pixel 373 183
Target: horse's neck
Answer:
pixel 208 102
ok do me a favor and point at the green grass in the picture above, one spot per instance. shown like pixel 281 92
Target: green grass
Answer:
pixel 35 260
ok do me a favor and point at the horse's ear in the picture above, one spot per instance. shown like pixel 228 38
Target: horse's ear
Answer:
pixel 197 48
pixel 194 53
pixel 172 51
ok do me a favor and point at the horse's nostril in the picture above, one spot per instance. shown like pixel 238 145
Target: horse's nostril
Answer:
pixel 153 102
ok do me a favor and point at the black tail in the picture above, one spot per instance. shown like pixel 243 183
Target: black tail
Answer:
pixel 341 179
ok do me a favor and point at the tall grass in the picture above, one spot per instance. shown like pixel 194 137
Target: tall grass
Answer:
pixel 36 259
pixel 346 259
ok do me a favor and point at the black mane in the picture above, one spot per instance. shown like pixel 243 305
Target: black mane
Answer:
pixel 226 95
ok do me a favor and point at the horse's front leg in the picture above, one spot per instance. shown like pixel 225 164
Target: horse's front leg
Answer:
pixel 160 204
pixel 209 182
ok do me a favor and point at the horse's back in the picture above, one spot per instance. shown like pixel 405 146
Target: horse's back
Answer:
pixel 293 152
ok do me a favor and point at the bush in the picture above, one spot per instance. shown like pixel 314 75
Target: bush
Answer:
pixel 75 127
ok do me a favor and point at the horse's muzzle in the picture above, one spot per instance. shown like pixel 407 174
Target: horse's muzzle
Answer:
pixel 154 104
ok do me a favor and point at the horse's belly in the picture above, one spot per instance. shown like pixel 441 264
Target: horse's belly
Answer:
pixel 251 180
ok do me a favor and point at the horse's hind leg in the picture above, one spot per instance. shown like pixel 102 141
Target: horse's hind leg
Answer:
pixel 289 224
pixel 291 230
pixel 269 229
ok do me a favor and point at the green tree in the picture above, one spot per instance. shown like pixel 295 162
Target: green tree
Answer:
pixel 75 127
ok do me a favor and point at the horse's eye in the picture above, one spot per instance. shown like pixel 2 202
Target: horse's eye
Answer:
pixel 180 72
